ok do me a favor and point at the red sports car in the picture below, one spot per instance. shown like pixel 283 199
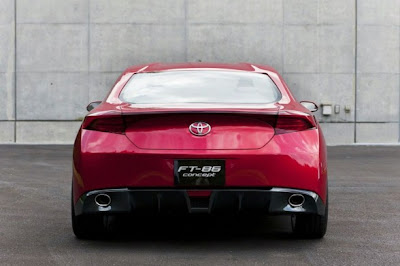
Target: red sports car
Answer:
pixel 200 138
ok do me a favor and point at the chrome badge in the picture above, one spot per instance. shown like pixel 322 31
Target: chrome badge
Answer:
pixel 200 128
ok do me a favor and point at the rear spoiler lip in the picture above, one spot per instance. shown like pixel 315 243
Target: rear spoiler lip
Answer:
pixel 272 108
pixel 269 111
pixel 190 111
pixel 257 111
pixel 283 114
pixel 114 113
pixel 294 112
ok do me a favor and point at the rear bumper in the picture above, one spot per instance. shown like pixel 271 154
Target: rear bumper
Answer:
pixel 178 201
pixel 105 160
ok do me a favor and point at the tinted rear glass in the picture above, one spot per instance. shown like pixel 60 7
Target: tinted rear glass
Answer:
pixel 200 87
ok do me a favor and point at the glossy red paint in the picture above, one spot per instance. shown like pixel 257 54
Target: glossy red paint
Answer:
pixel 171 132
pixel 245 137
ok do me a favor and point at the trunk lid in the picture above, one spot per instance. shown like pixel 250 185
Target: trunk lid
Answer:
pixel 230 129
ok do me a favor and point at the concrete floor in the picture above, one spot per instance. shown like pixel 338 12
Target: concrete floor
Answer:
pixel 364 226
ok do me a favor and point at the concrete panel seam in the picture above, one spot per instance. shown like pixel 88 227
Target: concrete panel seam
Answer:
pixel 15 71
pixel 283 38
pixel 189 23
pixel 88 53
pixel 318 43
pixel 46 120
pixel 116 23
pixel 69 72
pixel 185 3
pixel 232 24
pixel 52 23
pixel 377 122
pixel 329 72
pixel 355 71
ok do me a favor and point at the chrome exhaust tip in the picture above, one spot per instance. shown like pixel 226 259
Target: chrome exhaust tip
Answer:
pixel 296 200
pixel 102 200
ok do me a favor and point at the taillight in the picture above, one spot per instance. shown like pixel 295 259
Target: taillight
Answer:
pixel 287 124
pixel 113 124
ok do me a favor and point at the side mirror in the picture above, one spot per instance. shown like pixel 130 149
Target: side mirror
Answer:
pixel 310 106
pixel 92 105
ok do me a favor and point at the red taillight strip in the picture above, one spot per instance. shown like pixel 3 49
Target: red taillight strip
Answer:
pixel 293 123
pixel 111 123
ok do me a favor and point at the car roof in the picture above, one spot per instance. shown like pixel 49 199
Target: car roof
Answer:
pixel 158 67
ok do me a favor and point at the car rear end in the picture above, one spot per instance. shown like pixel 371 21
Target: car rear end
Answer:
pixel 242 155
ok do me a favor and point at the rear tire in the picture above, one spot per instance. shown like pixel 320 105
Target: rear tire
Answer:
pixel 310 225
pixel 90 226
pixel 81 225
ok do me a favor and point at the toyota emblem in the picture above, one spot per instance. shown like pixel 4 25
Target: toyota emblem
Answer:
pixel 200 128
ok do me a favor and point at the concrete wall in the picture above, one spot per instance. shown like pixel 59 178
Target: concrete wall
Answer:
pixel 58 55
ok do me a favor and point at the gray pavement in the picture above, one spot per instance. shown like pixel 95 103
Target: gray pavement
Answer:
pixel 364 225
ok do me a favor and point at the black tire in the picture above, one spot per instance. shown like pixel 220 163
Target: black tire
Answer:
pixel 310 225
pixel 87 226
pixel 80 225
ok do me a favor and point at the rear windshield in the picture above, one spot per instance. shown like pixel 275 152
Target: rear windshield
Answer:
pixel 200 87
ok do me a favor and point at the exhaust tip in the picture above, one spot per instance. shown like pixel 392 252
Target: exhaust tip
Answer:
pixel 296 200
pixel 102 200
